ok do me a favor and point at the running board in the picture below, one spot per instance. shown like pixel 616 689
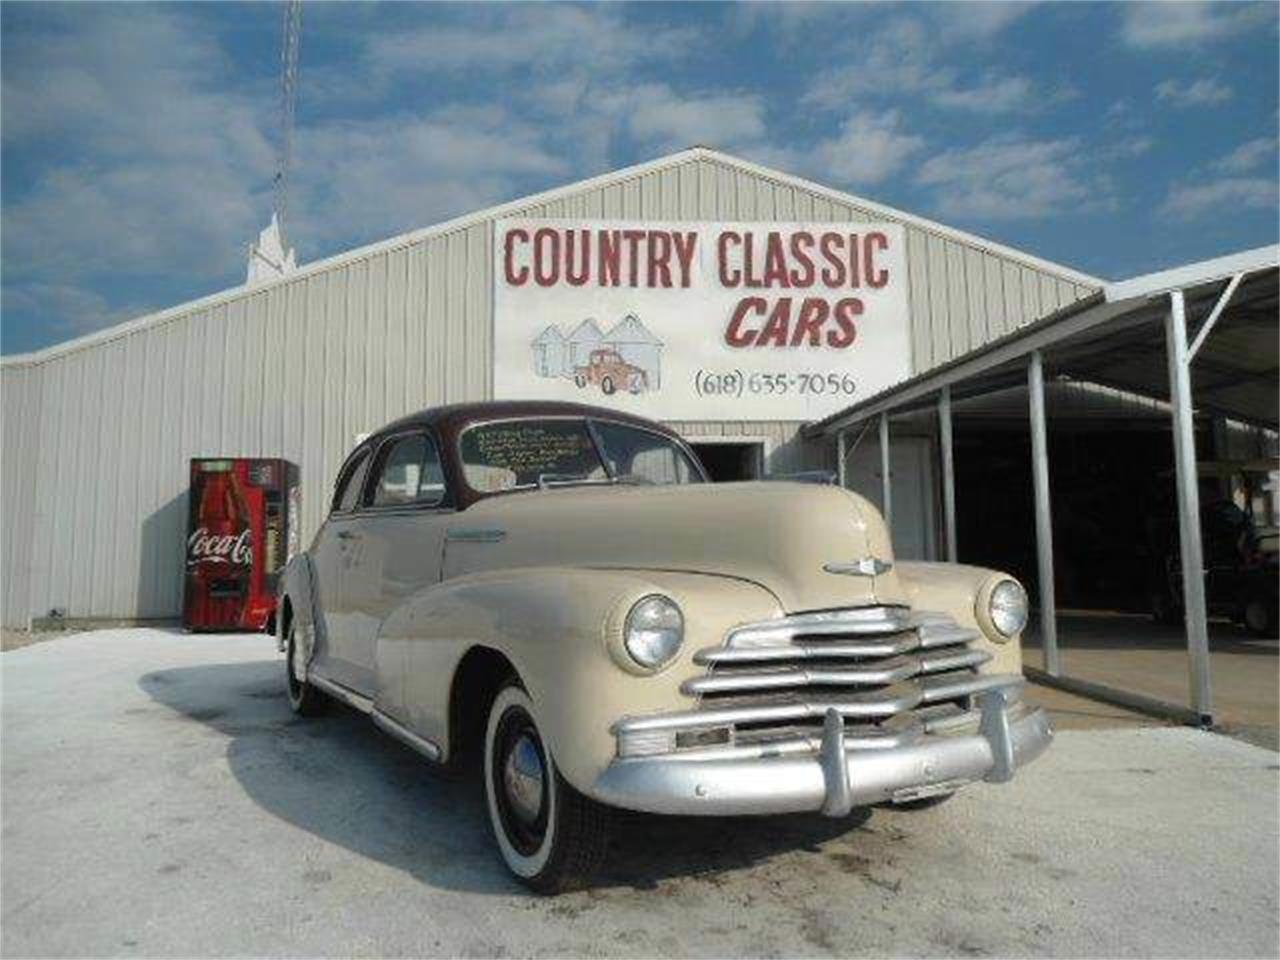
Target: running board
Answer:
pixel 422 745
pixel 406 736
pixel 339 692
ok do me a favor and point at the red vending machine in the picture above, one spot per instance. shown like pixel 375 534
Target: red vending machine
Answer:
pixel 241 531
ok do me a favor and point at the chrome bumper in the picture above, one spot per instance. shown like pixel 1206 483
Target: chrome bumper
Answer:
pixel 836 777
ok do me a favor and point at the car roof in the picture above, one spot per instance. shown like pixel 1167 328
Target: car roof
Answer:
pixel 451 419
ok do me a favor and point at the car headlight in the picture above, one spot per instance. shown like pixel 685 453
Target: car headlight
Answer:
pixel 1007 607
pixel 654 631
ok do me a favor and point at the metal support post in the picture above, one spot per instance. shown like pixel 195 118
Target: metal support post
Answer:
pixel 1044 515
pixel 1184 456
pixel 841 453
pixel 948 473
pixel 886 492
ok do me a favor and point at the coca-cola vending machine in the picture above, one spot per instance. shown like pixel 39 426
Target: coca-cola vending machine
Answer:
pixel 241 531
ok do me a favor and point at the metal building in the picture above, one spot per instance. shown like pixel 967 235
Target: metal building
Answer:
pixel 97 432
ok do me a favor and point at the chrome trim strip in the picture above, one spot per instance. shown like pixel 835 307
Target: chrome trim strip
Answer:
pixel 945 634
pixel 880 703
pixel 782 678
pixel 857 620
pixel 868 649
pixel 866 567
pixel 427 748
pixel 339 692
pixel 926 663
pixel 474 535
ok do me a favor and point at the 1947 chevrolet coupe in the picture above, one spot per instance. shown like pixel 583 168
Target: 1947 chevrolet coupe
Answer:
pixel 558 589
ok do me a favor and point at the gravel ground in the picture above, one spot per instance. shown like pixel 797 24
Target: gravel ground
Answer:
pixel 159 799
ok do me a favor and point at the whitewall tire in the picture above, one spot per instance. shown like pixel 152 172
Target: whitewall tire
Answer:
pixel 550 836
pixel 304 699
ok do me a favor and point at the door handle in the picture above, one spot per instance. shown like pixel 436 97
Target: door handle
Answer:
pixel 347 535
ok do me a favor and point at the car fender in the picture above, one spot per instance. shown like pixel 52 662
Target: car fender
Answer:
pixel 296 589
pixel 561 629
pixel 959 590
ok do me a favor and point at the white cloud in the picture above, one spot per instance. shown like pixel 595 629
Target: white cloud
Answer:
pixel 71 310
pixel 977 20
pixel 797 21
pixel 365 180
pixel 1006 178
pixel 909 57
pixel 149 166
pixel 541 36
pixel 655 114
pixel 870 148
pixel 1166 25
pixel 992 94
pixel 1247 157
pixel 156 164
pixel 1195 93
pixel 1202 198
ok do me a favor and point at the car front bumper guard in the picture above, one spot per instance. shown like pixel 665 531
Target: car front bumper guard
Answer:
pixel 835 779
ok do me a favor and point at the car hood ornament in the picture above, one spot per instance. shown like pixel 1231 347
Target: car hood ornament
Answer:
pixel 866 567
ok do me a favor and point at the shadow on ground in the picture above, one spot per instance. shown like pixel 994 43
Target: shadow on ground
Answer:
pixel 339 778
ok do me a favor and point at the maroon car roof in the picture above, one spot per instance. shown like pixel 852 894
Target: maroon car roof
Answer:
pixel 452 418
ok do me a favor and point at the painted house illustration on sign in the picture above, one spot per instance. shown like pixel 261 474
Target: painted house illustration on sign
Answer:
pixel 557 355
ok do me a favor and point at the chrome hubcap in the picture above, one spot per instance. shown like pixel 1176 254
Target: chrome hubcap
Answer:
pixel 522 777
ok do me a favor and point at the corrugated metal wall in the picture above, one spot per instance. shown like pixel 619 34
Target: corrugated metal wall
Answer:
pixel 96 438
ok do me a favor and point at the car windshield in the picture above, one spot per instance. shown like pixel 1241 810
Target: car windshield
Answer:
pixel 514 454
pixel 643 456
pixel 525 453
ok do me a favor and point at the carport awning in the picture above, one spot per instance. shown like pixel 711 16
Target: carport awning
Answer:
pixel 1117 338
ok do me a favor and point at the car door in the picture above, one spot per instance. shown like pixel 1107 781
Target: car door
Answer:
pixel 401 543
pixel 332 556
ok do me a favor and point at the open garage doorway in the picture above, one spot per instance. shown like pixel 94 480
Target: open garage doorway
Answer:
pixel 731 460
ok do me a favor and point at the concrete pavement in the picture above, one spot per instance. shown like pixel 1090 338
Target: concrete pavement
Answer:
pixel 158 798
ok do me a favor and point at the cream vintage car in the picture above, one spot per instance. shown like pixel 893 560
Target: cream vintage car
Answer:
pixel 559 592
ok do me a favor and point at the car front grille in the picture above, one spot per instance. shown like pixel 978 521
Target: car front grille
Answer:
pixel 890 673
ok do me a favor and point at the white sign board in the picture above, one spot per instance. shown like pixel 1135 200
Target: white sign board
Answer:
pixel 700 321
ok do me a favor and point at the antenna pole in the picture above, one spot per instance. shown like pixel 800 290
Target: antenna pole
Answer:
pixel 292 27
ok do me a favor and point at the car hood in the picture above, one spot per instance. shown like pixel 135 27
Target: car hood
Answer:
pixel 780 535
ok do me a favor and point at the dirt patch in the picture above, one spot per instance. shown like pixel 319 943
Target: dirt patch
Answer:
pixel 16 639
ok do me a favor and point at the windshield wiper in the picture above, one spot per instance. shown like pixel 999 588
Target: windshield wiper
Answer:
pixel 548 480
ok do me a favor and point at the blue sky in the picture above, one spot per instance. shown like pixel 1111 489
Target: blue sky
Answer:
pixel 138 140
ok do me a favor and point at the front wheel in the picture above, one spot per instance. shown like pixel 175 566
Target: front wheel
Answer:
pixel 550 836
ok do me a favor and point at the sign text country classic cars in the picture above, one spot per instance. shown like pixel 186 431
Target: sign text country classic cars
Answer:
pixel 744 321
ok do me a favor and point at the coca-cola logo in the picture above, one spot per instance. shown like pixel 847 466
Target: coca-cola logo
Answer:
pixel 205 547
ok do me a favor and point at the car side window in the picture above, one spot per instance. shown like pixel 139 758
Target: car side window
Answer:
pixel 350 485
pixel 410 474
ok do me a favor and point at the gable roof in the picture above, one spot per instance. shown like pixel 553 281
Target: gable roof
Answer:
pixel 588 329
pixel 630 330
pixel 550 335
pixel 521 205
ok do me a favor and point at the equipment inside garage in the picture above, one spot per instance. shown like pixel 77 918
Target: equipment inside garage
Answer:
pixel 1098 454
pixel 1113 489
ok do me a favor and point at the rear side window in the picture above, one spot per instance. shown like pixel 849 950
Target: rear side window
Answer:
pixel 350 484
pixel 410 474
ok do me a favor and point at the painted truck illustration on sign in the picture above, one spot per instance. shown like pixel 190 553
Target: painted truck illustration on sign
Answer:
pixel 628 357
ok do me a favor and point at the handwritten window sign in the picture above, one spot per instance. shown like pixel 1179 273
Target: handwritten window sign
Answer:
pixel 500 456
pixel 748 321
